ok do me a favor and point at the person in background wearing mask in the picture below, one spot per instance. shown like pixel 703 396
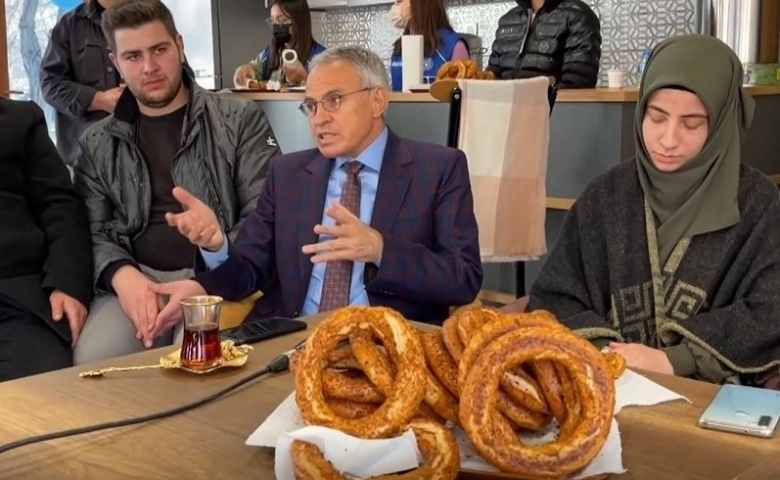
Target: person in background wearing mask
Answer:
pixel 291 26
pixel 440 42
pixel 557 38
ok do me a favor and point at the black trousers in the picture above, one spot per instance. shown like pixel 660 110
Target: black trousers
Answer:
pixel 27 345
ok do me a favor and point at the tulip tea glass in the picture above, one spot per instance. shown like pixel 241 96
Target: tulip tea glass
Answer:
pixel 201 348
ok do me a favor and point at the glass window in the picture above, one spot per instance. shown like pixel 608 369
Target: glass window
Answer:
pixel 28 25
pixel 193 20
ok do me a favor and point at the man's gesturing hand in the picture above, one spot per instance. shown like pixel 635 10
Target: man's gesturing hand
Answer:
pixel 352 239
pixel 197 222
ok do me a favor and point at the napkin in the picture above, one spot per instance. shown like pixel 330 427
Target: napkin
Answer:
pixel 638 390
pixel 285 423
pixel 352 456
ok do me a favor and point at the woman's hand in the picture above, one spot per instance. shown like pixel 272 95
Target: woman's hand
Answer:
pixel 295 72
pixel 244 73
pixel 643 357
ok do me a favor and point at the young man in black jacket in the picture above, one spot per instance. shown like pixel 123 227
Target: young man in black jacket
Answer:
pixel 556 38
pixel 45 248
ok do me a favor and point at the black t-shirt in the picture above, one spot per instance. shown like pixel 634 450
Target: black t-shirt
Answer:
pixel 160 246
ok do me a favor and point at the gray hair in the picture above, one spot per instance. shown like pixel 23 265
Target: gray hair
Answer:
pixel 373 72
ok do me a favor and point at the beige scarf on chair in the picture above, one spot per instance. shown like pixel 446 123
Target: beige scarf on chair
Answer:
pixel 504 132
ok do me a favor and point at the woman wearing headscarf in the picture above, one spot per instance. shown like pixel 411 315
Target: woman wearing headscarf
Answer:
pixel 673 260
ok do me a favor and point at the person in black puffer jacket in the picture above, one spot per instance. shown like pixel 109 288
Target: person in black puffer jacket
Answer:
pixel 560 38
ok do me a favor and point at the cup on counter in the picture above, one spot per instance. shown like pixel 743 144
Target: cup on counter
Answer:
pixel 616 78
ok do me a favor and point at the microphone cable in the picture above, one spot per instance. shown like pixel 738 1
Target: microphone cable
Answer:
pixel 278 365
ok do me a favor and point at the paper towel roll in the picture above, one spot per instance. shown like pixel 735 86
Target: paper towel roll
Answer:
pixel 289 55
pixel 412 61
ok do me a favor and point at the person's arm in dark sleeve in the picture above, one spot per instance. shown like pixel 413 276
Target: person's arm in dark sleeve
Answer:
pixel 582 52
pixel 58 86
pixel 60 212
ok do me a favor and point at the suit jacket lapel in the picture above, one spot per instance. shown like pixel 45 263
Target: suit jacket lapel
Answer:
pixel 391 191
pixel 315 186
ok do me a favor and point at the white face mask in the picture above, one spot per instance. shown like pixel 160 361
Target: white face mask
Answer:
pixel 396 17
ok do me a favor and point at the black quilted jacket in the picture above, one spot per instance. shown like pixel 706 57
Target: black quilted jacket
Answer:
pixel 563 40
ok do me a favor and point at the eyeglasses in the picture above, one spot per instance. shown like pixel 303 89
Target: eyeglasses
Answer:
pixel 330 103
pixel 278 21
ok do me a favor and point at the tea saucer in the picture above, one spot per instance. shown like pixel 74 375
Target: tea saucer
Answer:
pixel 232 356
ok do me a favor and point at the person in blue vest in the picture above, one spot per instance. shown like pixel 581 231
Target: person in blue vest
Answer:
pixel 290 22
pixel 440 42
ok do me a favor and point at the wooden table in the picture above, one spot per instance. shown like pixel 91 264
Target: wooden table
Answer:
pixel 659 443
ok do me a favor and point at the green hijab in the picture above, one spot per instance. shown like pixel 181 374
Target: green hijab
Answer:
pixel 700 196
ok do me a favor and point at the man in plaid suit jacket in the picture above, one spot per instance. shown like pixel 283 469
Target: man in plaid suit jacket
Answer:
pixel 413 244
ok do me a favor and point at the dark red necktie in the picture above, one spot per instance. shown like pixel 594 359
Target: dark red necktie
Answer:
pixel 338 274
